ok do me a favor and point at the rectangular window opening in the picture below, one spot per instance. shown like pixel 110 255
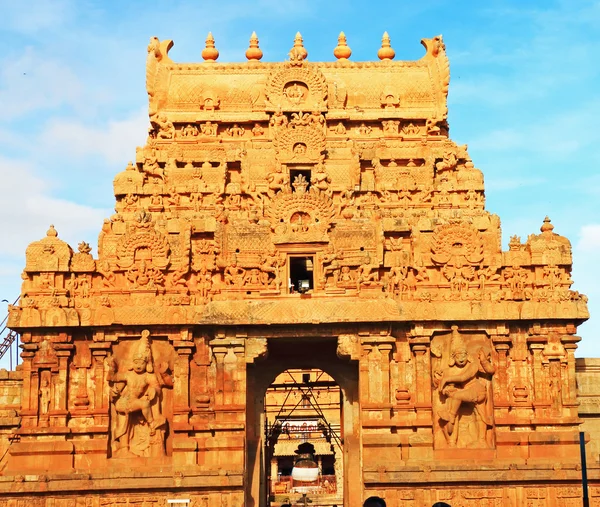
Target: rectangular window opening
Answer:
pixel 301 274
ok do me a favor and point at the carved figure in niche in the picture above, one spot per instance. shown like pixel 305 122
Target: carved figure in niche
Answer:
pixel 295 92
pixel 156 201
pixel 138 427
pixel 463 386
pixel 489 274
pixel 320 179
pixel 366 273
pixel 346 276
pixel 410 130
pixel 364 130
pixel 402 280
pixel 346 203
pixel 448 163
pixel 516 278
pixel 316 118
pixel 299 150
pixel 277 181
pixel 177 277
pixel 472 198
pixel 257 130
pixel 152 168
pixel 432 126
pixel 130 201
pixel 278 119
pixel 162 126
pixel 196 199
pixel 552 276
pixel 340 129
pixel 252 277
pixel 144 276
pixel 270 264
pixel 390 127
pixel 189 131
pixel 205 283
pixel 108 275
pixel 45 392
pixel 174 199
pixel 209 129
pixel 234 274
pixel 236 131
pixel 330 265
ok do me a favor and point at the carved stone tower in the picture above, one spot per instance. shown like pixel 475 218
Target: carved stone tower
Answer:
pixel 297 215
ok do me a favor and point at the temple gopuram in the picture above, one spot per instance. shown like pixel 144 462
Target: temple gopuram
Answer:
pixel 312 218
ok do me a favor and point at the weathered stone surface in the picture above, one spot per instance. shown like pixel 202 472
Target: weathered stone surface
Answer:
pixel 298 215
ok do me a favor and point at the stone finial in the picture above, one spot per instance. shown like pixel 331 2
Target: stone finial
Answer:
pixel 547 226
pixel 51 233
pixel 210 53
pixel 386 52
pixel 299 50
pixel 342 51
pixel 254 52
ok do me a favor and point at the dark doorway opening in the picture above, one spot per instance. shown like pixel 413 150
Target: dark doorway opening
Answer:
pixel 301 274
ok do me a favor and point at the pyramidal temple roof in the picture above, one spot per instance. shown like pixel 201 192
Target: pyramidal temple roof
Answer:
pixel 298 191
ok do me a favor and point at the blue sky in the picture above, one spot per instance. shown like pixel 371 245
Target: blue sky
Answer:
pixel 523 95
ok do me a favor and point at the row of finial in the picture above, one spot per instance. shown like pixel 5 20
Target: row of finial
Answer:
pixel 342 51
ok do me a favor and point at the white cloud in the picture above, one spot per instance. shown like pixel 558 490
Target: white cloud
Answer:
pixel 28 208
pixel 589 239
pixel 115 141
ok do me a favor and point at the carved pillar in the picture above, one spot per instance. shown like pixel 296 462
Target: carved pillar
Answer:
pixel 540 394
pixel 570 388
pixel 181 388
pixel 419 343
pixel 29 402
pixel 59 415
pixel 375 369
pixel 502 343
pixel 100 402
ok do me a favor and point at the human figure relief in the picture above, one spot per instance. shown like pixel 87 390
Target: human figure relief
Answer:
pixel 270 264
pixel 367 273
pixel 330 265
pixel 277 181
pixel 462 378
pixel 138 425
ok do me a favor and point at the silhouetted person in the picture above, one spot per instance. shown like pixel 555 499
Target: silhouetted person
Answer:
pixel 441 504
pixel 374 501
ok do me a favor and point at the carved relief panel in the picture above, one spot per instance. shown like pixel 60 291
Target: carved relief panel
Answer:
pixel 462 370
pixel 140 381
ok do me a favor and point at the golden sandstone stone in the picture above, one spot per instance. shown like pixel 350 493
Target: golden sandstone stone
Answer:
pixel 296 215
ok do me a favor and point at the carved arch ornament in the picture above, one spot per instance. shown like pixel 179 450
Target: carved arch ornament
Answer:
pixel 148 238
pixel 455 242
pixel 287 139
pixel 294 88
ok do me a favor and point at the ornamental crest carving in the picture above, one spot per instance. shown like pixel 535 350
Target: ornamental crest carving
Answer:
pixel 300 142
pixel 457 244
pixel 143 237
pixel 296 87
pixel 301 215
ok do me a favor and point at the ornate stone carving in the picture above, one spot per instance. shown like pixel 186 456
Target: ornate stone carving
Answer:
pixel 463 406
pixel 136 389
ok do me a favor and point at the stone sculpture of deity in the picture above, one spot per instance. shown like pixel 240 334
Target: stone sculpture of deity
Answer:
pixel 138 425
pixel 463 396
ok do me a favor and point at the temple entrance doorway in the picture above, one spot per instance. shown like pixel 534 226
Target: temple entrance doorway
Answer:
pixel 302 412
pixel 302 427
